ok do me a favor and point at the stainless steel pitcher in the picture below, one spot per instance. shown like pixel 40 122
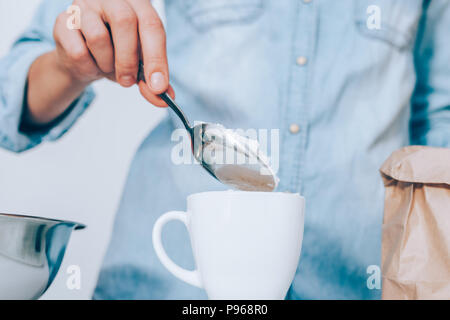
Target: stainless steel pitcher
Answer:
pixel 31 252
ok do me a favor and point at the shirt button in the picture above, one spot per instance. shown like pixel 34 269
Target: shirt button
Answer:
pixel 301 61
pixel 294 128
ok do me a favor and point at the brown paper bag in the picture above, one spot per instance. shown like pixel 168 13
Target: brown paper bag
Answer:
pixel 416 224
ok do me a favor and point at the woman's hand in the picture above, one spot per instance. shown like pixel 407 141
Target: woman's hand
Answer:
pixel 114 35
pixel 112 38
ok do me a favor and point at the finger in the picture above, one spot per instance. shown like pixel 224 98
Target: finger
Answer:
pixel 98 40
pixel 123 23
pixel 151 97
pixel 153 42
pixel 75 51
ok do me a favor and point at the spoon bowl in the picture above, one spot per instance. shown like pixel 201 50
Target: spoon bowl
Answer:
pixel 230 158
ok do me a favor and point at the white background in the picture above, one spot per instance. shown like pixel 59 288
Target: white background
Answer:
pixel 81 176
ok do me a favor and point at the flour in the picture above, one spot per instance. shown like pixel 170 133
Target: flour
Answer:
pixel 237 161
pixel 245 179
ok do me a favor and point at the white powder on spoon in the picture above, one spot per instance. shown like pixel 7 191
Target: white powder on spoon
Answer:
pixel 249 170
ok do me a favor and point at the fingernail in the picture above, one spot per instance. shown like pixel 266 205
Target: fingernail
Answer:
pixel 127 80
pixel 157 81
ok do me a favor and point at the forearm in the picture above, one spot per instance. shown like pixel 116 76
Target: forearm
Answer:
pixel 51 90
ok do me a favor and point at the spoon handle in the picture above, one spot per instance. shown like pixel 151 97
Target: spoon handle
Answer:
pixel 167 99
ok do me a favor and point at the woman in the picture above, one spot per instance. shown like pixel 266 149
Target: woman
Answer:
pixel 344 95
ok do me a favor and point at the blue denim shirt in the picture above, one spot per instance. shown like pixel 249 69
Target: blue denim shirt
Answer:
pixel 354 93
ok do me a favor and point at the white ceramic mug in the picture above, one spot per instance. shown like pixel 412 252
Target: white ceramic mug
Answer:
pixel 246 245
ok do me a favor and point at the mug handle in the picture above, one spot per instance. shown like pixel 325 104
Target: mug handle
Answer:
pixel 191 277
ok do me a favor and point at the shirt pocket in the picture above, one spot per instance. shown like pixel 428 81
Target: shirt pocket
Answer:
pixel 207 14
pixel 399 20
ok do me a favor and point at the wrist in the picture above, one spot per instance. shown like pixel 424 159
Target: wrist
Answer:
pixel 51 90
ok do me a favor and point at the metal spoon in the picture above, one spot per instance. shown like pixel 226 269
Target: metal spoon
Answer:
pixel 211 141
pixel 196 133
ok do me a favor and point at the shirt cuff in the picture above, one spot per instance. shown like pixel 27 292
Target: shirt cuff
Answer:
pixel 12 93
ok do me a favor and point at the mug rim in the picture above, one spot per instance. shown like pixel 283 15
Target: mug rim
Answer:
pixel 270 194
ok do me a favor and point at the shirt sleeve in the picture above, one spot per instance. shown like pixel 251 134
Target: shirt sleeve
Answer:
pixel 430 118
pixel 34 42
